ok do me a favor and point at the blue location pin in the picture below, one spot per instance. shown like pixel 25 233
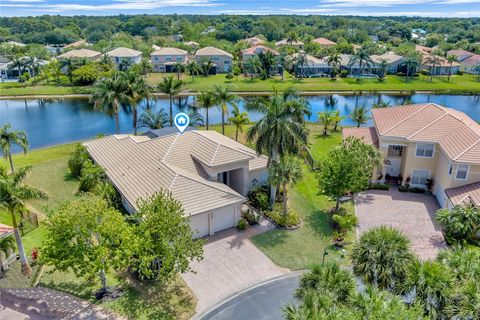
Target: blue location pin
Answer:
pixel 181 121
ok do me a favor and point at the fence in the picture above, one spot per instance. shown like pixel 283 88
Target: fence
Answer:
pixel 28 222
pixel 309 160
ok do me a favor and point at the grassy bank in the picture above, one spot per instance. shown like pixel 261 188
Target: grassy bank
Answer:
pixel 457 84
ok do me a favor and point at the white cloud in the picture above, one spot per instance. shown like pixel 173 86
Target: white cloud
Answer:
pixel 389 3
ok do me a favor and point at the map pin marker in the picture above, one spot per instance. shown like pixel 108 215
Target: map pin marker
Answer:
pixel 181 121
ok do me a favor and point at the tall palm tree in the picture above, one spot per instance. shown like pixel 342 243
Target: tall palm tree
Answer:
pixel 253 65
pixel 196 119
pixel 325 118
pixel 171 87
pixel 362 58
pixel 137 87
pixel 144 90
pixel 433 60
pixel 9 137
pixel 223 97
pixel 281 130
pixel 292 37
pixel 451 58
pixel 206 100
pixel 178 67
pixel 153 120
pixel 69 64
pixel 206 64
pixel 238 119
pixel 360 115
pixel 336 119
pixel 412 61
pixel 13 195
pixel 382 65
pixel 334 60
pixel 124 64
pixel 109 94
pixel 283 63
pixel 193 68
pixel 268 60
pixel 285 172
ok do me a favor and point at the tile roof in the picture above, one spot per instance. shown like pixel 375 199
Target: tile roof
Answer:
pixel 368 135
pixel 469 193
pixel 168 51
pixel 324 41
pixel 285 42
pixel 123 52
pixel 78 43
pixel 138 166
pixel 389 56
pixel 457 134
pixel 257 49
pixel 472 60
pixel 80 53
pixel 212 51
pixel 5 230
pixel 313 62
pixel 461 54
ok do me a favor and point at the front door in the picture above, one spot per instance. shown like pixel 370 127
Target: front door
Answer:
pixel 395 154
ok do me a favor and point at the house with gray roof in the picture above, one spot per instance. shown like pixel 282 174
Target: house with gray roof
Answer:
pixel 208 173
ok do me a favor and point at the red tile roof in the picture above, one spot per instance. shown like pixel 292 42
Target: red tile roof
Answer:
pixel 469 193
pixel 258 49
pixel 324 41
pixel 368 135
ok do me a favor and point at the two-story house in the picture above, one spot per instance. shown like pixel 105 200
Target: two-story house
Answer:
pixel 426 142
pixel 222 60
pixel 164 59
pixel 122 55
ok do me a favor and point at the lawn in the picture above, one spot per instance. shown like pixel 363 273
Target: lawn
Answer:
pixel 301 248
pixel 440 84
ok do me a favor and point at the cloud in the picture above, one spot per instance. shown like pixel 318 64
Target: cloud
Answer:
pixel 390 3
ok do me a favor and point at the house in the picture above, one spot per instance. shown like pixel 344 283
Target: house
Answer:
pixel 470 65
pixel 191 44
pixel 208 173
pixel 222 60
pixel 155 47
pixel 256 50
pixel 125 54
pixel 437 65
pixel 461 54
pixel 79 43
pixel 427 144
pixel 8 255
pixel 164 59
pixel 418 34
pixel 80 54
pixel 285 42
pixel 15 44
pixel 208 30
pixel 370 71
pixel 395 61
pixel 254 41
pixel 324 42
pixel 313 67
pixel 423 50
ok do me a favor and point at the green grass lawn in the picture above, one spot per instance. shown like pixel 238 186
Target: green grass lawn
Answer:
pixel 303 247
pixel 457 84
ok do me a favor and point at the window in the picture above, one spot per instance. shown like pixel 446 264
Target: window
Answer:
pixel 395 151
pixel 462 172
pixel 424 150
pixel 419 177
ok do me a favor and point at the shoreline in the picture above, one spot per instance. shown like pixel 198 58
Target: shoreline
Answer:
pixel 255 93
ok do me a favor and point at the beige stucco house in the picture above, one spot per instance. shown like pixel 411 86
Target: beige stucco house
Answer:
pixel 324 42
pixel 120 54
pixel 80 54
pixel 208 173
pixel 164 59
pixel 427 141
pixel 222 60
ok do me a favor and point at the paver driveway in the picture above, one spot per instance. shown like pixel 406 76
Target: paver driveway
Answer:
pixel 230 263
pixel 413 214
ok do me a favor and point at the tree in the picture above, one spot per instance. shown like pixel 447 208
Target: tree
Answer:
pixel 433 60
pixel 223 97
pixel 383 66
pixel 152 120
pixel 360 115
pixel 206 64
pixel 284 172
pixel 412 61
pixel 337 118
pixel 451 58
pixel 206 100
pixel 300 63
pixel 125 64
pixel 178 67
pixel 283 63
pixel 98 243
pixel 85 75
pixel 108 95
pixel 196 119
pixel 10 137
pixel 334 60
pixel 381 257
pixel 193 68
pixel 70 65
pixel 171 87
pixel 325 118
pixel 238 119
pixel 461 223
pixel 347 168
pixel 362 58
pixel 282 128
pixel 13 195
pixel 268 61
pixel 476 69
pixel 253 65
pixel 52 69
pixel 162 217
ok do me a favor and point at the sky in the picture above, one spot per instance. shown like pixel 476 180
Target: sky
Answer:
pixel 430 8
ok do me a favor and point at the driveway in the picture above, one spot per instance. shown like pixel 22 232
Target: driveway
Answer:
pixel 230 264
pixel 411 213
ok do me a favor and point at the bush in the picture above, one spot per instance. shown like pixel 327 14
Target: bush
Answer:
pixel 379 186
pixel 425 72
pixel 343 74
pixel 250 217
pixel 416 190
pixel 229 76
pixel 292 219
pixel 461 224
pixel 402 188
pixel 460 73
pixel 242 224
pixel 77 160
pixel 259 198
pixel 85 75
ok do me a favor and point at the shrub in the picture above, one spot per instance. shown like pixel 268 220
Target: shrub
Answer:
pixel 461 224
pixel 460 72
pixel 402 188
pixel 85 75
pixel 92 176
pixel 379 186
pixel 343 74
pixel 292 219
pixel 345 222
pixel 242 224
pixel 259 198
pixel 250 217
pixel 416 190
pixel 425 72
pixel 77 160
pixel 229 76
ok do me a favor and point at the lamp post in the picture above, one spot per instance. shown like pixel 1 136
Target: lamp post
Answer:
pixel 325 253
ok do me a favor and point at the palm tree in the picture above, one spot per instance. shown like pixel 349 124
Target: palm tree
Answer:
pixel 223 96
pixel 325 118
pixel 283 63
pixel 451 58
pixel 171 87
pixel 360 115
pixel 301 63
pixel 292 37
pixel 193 68
pixel 196 119
pixel 13 195
pixel 284 172
pixel 476 69
pixel 382 65
pixel 238 119
pixel 178 67
pixel 10 137
pixel 334 60
pixel 411 62
pixel 433 60
pixel 336 119
pixel 109 94
pixel 6 244
pixel 381 257
pixel 381 104
pixel 153 120
pixel 206 64
pixel 253 65
pixel 124 64
pixel 281 130
pixel 206 100
pixel 267 59
pixel 144 67
pixel 362 58
pixel 144 90
pixel 137 88
pixel 69 64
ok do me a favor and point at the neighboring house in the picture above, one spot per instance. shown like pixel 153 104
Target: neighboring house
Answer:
pixel 285 42
pixel 441 67
pixel 191 44
pixel 121 53
pixel 256 50
pixel 80 54
pixel 155 47
pixel 164 59
pixel 208 173
pixel 9 255
pixel 254 41
pixel 423 50
pixel 426 142
pixel 313 67
pixel 222 60
pixel 79 43
pixel 355 69
pixel 419 34
pixel 467 60
pixel 208 30
pixel 324 42
pixel 395 61
pixel 461 54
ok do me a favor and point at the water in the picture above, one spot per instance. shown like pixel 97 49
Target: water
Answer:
pixel 54 122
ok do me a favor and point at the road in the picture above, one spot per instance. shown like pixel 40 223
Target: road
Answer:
pixel 261 302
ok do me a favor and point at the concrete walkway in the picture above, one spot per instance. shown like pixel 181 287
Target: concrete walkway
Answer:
pixel 231 263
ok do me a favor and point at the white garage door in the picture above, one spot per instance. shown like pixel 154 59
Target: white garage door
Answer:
pixel 224 218
pixel 441 196
pixel 199 225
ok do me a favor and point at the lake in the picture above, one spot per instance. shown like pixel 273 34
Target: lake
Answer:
pixel 52 122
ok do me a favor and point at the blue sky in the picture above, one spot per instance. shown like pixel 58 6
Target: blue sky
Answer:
pixel 431 8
